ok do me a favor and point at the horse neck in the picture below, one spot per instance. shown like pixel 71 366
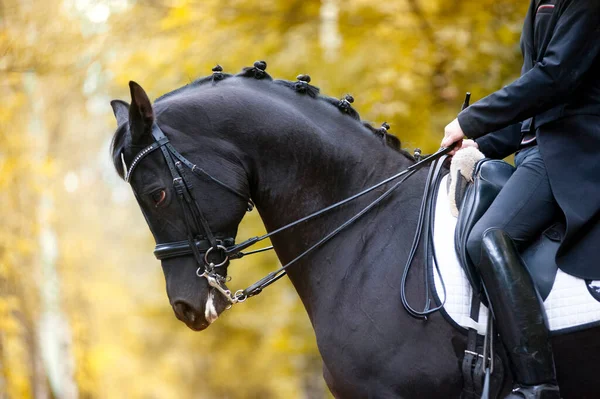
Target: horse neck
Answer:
pixel 299 172
pixel 299 169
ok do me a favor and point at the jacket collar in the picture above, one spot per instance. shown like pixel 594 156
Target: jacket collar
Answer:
pixel 528 29
pixel 529 26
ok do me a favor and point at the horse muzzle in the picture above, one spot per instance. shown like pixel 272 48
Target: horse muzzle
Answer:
pixel 199 318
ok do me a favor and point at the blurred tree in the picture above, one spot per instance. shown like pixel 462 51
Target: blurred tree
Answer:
pixel 35 51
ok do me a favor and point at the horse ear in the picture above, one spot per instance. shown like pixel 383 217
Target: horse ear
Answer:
pixel 141 115
pixel 121 111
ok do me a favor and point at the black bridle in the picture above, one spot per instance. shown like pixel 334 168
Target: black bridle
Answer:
pixel 212 253
pixel 209 251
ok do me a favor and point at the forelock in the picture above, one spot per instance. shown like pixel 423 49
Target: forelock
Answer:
pixel 117 146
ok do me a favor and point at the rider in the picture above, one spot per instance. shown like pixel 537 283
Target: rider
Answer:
pixel 551 117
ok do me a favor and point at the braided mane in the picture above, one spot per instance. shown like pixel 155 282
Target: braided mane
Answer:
pixel 258 71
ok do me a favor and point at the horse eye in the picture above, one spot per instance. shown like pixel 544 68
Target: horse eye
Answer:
pixel 158 197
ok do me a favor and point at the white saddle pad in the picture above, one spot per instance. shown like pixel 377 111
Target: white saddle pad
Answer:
pixel 569 304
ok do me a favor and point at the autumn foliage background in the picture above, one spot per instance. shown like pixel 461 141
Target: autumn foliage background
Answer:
pixel 83 308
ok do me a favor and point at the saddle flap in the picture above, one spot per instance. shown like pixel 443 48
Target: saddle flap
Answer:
pixel 489 178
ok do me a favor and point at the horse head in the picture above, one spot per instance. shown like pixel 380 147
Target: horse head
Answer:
pixel 172 220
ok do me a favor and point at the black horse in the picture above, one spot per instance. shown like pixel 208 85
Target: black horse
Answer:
pixel 293 152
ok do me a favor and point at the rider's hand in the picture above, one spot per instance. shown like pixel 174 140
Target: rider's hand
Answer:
pixel 453 136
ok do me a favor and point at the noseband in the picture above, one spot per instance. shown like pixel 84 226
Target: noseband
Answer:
pixel 212 253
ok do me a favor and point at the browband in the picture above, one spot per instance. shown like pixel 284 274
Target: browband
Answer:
pixel 138 158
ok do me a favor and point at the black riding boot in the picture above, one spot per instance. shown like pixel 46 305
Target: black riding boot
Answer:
pixel 518 311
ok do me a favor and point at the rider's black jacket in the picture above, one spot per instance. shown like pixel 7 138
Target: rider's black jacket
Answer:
pixel 557 95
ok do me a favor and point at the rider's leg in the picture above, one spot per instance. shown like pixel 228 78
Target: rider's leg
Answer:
pixel 519 314
pixel 522 210
pixel 524 207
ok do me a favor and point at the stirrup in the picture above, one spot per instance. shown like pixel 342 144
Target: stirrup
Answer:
pixel 541 391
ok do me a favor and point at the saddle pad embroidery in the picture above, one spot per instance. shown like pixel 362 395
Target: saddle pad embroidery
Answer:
pixel 569 305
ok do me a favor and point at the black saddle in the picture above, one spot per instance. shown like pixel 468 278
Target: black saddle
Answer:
pixel 489 176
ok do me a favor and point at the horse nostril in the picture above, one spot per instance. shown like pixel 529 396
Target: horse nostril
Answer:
pixel 184 312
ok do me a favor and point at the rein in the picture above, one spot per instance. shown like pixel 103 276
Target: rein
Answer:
pixel 212 253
